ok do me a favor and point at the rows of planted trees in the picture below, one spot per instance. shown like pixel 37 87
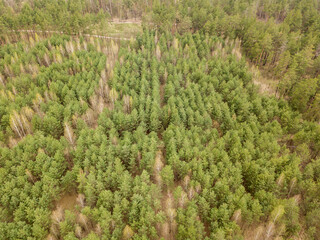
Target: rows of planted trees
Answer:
pixel 280 37
pixel 46 84
pixel 169 141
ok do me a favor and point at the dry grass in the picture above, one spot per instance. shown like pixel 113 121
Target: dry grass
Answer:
pixel 118 29
pixel 68 201
pixel 266 84
pixel 73 202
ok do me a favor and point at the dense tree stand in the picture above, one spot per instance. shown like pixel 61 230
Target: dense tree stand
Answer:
pixel 165 136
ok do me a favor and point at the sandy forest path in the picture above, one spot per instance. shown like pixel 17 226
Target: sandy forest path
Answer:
pixel 131 20
pixel 113 21
pixel 61 32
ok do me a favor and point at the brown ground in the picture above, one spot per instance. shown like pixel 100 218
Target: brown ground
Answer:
pixel 129 20
pixel 68 201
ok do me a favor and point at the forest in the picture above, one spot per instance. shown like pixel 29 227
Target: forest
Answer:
pixel 167 135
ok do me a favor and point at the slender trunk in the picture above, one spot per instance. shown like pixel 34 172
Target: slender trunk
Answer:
pixel 20 123
pixel 26 124
pixel 312 98
pixel 2 80
pixel 16 128
pixel 261 56
pixel 69 134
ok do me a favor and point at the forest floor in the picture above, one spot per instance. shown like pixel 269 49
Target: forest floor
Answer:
pixel 68 201
pixel 128 28
pixel 266 85
pixel 167 229
pixel 124 21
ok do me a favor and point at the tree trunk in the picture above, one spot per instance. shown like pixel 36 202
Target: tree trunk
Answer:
pixel 260 57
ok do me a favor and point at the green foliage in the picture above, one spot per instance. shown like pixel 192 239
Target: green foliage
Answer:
pixel 169 141
pixel 167 176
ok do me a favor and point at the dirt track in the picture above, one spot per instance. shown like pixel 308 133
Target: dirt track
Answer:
pixel 60 32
